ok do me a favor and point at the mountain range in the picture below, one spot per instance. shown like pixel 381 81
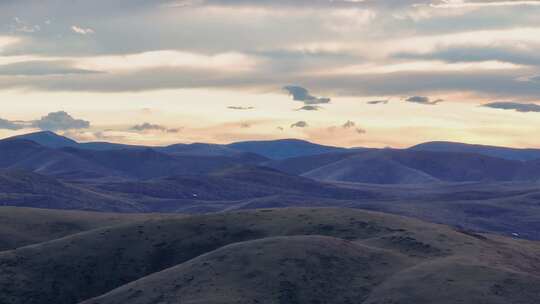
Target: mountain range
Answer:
pixel 425 163
pixel 471 190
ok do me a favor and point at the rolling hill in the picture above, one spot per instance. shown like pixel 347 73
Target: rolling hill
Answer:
pixel 27 189
pixel 389 166
pixel 493 151
pixel 20 227
pixel 273 256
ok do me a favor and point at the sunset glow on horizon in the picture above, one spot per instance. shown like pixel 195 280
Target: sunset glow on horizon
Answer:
pixel 370 73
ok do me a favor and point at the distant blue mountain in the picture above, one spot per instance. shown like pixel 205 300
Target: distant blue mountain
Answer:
pixel 48 139
pixel 500 152
pixel 273 149
pixel 284 148
pixel 52 140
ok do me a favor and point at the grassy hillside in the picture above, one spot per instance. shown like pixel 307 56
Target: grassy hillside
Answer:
pixel 272 256
pixel 24 226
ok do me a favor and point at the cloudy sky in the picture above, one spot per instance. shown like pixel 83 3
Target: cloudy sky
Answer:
pixel 344 72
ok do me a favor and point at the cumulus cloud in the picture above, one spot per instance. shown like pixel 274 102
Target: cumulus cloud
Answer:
pixel 516 106
pixel 240 108
pixel 423 100
pixel 302 94
pixel 58 121
pixel 300 124
pixel 10 125
pixel 309 108
pixel 375 102
pixel 149 127
pixel 54 121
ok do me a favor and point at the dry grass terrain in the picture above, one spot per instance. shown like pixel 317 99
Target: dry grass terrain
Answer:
pixel 304 255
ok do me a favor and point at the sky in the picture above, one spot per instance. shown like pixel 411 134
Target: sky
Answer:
pixel 372 73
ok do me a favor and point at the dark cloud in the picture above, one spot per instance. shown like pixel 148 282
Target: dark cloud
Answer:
pixel 309 108
pixel 149 127
pixel 240 108
pixel 10 125
pixel 375 102
pixel 41 68
pixel 300 124
pixel 302 94
pixel 516 106
pixel 58 121
pixel 423 100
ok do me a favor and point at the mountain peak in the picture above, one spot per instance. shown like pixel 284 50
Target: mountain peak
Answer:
pixel 283 148
pixel 48 139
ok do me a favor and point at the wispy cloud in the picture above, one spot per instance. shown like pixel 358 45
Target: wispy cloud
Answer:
pixel 479 4
pixel 240 108
pixel 82 30
pixel 423 100
pixel 149 127
pixel 376 102
pixel 42 68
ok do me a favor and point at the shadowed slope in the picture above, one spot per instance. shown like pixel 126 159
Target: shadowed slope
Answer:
pixel 92 263
pixel 297 269
pixel 24 226
pixel 28 189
